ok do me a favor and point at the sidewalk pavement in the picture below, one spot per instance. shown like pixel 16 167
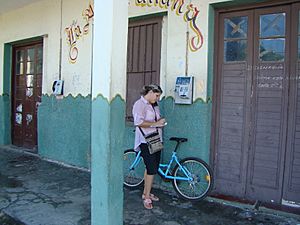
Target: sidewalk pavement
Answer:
pixel 38 192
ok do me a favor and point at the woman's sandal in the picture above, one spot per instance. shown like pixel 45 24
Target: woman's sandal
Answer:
pixel 152 197
pixel 148 203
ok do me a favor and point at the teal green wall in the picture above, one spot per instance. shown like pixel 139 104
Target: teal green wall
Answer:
pixel 107 162
pixel 129 136
pixel 190 121
pixel 5 105
pixel 64 129
pixel 4 120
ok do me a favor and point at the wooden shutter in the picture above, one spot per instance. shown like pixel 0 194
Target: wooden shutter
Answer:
pixel 143 58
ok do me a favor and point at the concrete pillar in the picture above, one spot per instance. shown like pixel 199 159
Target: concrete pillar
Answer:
pixel 108 110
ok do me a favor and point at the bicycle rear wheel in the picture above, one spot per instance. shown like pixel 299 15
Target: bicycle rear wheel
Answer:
pixel 200 182
pixel 133 177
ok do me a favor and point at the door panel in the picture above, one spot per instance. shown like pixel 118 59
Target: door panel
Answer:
pixel 234 85
pixel 292 171
pixel 270 86
pixel 27 84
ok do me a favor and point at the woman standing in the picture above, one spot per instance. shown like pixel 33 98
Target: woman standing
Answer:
pixel 146 116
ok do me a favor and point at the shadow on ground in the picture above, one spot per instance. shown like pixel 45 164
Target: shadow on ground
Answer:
pixel 7 220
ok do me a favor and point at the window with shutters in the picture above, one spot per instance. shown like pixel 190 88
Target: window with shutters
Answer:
pixel 143 58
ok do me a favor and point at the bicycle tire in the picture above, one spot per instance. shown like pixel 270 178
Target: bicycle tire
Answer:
pixel 133 178
pixel 201 184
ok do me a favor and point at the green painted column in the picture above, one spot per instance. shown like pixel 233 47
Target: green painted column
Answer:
pixel 5 98
pixel 108 111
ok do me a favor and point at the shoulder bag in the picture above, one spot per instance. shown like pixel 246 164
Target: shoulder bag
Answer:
pixel 153 141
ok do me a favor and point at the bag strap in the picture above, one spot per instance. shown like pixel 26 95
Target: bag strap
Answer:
pixel 142 131
pixel 154 112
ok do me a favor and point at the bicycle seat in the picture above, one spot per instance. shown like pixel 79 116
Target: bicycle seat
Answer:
pixel 178 139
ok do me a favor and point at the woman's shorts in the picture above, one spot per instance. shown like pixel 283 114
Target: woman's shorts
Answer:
pixel 151 160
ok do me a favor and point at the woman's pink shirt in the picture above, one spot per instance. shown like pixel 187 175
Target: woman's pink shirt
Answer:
pixel 143 111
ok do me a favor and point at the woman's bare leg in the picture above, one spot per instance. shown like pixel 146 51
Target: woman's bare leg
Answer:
pixel 148 184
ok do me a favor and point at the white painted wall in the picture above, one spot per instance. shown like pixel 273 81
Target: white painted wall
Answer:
pixel 77 75
pixel 174 55
pixel 43 18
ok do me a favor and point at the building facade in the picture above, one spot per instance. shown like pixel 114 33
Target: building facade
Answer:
pixel 243 117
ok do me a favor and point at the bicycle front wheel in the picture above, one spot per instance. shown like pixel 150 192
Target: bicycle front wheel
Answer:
pixel 200 179
pixel 133 173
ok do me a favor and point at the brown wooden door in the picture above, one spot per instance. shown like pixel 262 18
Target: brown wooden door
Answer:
pixel 291 186
pixel 27 90
pixel 234 85
pixel 269 103
pixel 257 144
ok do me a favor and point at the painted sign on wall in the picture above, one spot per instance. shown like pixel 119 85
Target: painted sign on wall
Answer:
pixel 75 32
pixel 188 11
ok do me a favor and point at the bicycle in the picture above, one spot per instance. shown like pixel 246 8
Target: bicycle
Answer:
pixel 191 177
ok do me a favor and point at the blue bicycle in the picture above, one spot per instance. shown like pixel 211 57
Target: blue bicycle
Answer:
pixel 191 177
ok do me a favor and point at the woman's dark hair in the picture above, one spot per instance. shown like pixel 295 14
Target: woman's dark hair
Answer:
pixel 152 87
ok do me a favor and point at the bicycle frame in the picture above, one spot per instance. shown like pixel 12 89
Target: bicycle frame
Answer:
pixel 163 173
pixel 174 158
pixel 136 161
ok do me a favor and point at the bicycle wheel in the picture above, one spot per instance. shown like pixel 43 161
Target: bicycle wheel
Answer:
pixel 133 177
pixel 200 182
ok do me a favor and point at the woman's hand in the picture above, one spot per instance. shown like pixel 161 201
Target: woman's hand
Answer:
pixel 160 123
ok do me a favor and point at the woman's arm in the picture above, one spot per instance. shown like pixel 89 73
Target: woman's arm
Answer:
pixel 158 123
pixel 139 117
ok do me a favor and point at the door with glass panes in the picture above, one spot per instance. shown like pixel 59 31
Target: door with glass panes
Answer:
pixel 26 93
pixel 257 109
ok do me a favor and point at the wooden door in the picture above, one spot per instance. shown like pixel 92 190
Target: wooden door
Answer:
pixel 269 103
pixel 257 108
pixel 26 93
pixel 291 186
pixel 234 85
